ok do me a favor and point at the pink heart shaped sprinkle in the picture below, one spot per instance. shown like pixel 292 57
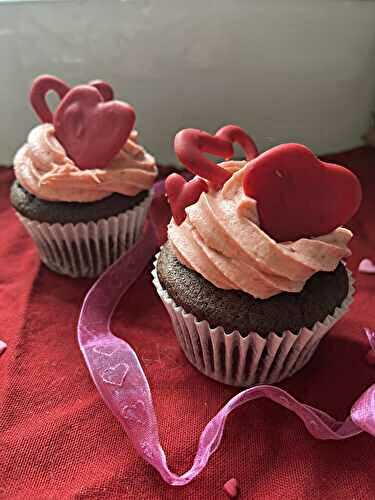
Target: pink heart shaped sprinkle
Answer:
pixel 231 488
pixel 366 266
pixel 3 346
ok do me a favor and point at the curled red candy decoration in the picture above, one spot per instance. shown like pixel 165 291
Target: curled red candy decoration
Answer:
pixel 233 133
pixel 298 195
pixel 190 144
pixel 38 92
pixel 104 88
pixel 47 83
pixel 182 194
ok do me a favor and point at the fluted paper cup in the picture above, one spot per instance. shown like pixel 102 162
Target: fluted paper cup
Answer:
pixel 87 249
pixel 244 361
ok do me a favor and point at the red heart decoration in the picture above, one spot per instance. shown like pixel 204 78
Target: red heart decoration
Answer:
pixel 46 83
pixel 233 133
pixel 91 130
pixel 299 196
pixel 182 194
pixel 190 144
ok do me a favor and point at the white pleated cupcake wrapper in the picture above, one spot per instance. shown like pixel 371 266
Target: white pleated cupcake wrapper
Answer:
pixel 87 249
pixel 238 361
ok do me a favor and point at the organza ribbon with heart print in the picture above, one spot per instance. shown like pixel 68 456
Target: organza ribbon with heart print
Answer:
pixel 121 381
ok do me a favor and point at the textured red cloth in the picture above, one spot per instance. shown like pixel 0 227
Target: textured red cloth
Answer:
pixel 58 440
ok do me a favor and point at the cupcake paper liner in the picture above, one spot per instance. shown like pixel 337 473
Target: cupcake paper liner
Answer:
pixel 244 361
pixel 87 249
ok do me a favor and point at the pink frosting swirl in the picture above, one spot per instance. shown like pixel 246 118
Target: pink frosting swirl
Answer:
pixel 221 240
pixel 42 167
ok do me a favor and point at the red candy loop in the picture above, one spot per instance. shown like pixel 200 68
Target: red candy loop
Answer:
pixel 91 130
pixel 298 195
pixel 190 144
pixel 182 194
pixel 38 93
pixel 47 83
pixel 104 88
pixel 233 133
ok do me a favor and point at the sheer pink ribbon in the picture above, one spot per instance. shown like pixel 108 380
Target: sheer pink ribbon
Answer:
pixel 121 381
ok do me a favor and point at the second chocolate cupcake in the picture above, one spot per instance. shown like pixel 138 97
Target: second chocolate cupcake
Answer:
pixel 83 182
pixel 248 307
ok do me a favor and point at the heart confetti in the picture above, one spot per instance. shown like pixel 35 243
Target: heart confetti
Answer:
pixel 298 195
pixel 366 266
pixel 91 129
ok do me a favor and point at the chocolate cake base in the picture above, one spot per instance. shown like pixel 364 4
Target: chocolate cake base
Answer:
pixel 236 310
pixel 39 210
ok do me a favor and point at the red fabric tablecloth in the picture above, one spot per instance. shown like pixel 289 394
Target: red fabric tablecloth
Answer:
pixel 58 440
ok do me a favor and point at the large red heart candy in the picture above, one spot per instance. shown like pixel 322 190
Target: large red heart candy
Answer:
pixel 91 130
pixel 299 196
pixel 190 144
pixel 46 83
pixel 182 194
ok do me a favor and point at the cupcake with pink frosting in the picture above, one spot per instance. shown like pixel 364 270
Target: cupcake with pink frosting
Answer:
pixel 252 273
pixel 83 182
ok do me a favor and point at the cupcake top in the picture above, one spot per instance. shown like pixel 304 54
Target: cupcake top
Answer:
pixel 86 150
pixel 224 234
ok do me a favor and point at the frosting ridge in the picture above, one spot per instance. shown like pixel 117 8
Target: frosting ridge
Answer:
pixel 42 167
pixel 221 240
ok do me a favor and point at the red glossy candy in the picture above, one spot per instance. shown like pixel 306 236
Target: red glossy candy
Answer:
pixel 47 83
pixel 182 194
pixel 104 88
pixel 298 195
pixel 91 130
pixel 190 144
pixel 233 133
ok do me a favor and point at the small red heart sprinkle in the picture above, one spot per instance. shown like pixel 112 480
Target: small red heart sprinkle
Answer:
pixel 91 130
pixel 231 488
pixel 182 194
pixel 299 196
pixel 370 357
pixel 46 83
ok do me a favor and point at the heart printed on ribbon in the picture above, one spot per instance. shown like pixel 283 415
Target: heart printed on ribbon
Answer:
pixel 115 375
pixel 298 195
pixel 92 130
pixel 190 144
pixel 182 194
pixel 48 83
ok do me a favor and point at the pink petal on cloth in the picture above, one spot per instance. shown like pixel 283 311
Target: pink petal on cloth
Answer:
pixel 3 346
pixel 366 266
pixel 121 381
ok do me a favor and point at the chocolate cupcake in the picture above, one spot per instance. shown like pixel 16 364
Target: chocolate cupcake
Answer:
pixel 83 182
pixel 250 296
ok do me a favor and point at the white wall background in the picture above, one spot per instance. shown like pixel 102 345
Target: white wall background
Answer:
pixel 286 70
